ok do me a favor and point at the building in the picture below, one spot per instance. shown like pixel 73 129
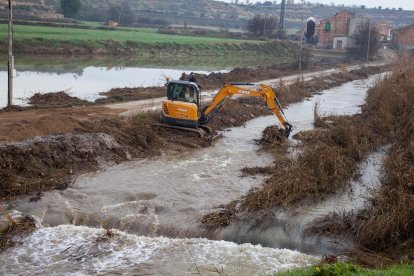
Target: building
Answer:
pixel 384 31
pixel 334 31
pixel 291 2
pixel 403 38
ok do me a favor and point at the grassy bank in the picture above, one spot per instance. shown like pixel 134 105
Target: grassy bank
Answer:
pixel 139 41
pixel 339 269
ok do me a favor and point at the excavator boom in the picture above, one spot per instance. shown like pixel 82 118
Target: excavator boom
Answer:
pixel 228 90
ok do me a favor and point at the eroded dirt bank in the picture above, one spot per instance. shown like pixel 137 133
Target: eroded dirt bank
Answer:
pixel 327 159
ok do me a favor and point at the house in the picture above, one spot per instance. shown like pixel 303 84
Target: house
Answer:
pixel 403 38
pixel 384 31
pixel 334 31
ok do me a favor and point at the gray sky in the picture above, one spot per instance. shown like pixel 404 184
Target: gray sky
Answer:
pixel 405 4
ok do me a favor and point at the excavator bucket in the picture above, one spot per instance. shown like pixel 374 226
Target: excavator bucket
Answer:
pixel 288 129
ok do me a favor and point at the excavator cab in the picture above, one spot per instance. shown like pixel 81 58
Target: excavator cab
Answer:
pixel 182 107
pixel 183 91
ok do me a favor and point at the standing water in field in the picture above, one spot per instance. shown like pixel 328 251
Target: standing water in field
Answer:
pixel 86 77
pixel 165 197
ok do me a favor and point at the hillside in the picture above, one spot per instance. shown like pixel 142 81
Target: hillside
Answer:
pixel 202 12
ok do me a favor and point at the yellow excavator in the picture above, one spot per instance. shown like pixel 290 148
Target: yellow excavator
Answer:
pixel 182 108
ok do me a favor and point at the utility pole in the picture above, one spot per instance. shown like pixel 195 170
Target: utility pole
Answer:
pixel 282 18
pixel 301 47
pixel 369 39
pixel 11 58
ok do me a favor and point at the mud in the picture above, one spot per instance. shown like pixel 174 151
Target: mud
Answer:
pixel 18 123
pixel 131 94
pixel 44 163
pixel 56 99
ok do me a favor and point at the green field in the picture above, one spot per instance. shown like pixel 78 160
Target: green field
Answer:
pixel 120 35
pixel 340 269
pixel 50 40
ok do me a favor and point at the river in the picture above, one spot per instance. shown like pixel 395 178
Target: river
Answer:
pixel 155 204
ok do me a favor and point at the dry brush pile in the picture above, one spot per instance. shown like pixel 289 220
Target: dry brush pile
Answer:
pixel 10 228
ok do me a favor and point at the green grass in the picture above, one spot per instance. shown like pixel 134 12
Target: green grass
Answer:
pixel 121 35
pixel 348 269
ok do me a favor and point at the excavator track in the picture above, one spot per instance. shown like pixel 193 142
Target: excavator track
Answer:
pixel 201 132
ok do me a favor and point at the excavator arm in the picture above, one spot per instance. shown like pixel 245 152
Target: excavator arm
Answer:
pixel 228 90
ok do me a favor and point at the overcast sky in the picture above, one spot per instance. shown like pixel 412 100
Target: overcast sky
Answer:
pixel 405 4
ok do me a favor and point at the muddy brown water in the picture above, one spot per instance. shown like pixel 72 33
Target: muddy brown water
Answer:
pixel 147 199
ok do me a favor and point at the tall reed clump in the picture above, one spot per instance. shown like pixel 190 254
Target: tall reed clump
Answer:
pixel 386 225
pixel 390 224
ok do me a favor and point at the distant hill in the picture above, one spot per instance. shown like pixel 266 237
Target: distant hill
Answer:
pixel 204 12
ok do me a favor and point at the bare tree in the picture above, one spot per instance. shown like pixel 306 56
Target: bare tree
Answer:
pixel 262 26
pixel 122 14
pixel 365 41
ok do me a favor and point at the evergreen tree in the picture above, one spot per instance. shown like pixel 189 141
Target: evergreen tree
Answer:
pixel 70 8
pixel 365 41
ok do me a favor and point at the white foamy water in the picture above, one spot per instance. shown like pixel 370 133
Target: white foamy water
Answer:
pixel 76 250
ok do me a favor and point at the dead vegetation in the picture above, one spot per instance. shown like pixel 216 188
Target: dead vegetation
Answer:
pixel 56 99
pixel 13 227
pixel 384 229
pixel 328 159
pixel 272 136
pixel 130 94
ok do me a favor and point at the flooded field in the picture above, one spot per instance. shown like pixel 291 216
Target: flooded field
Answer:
pixel 87 77
pixel 147 199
